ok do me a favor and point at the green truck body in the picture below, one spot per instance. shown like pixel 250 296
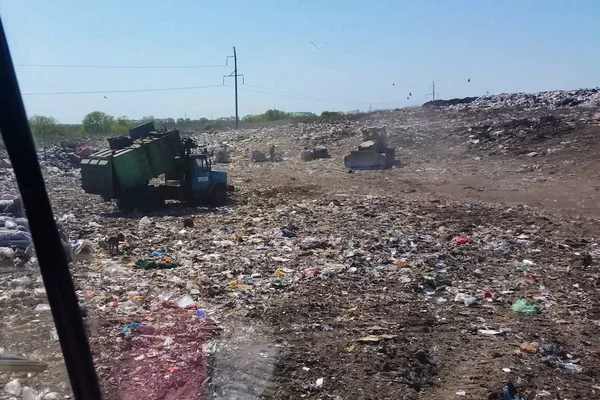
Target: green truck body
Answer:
pixel 110 172
pixel 124 171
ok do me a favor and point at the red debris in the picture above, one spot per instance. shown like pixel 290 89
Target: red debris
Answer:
pixel 461 240
pixel 308 272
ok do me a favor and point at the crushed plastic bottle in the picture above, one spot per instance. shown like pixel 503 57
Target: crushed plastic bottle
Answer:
pixel 570 367
pixel 522 306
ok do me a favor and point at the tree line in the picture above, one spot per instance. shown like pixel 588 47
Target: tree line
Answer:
pixel 49 130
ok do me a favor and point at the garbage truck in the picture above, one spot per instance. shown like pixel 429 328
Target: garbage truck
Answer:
pixel 129 170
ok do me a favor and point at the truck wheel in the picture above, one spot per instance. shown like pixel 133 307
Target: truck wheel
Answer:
pixel 218 195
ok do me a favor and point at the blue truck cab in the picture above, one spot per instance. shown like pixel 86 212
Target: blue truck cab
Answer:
pixel 206 181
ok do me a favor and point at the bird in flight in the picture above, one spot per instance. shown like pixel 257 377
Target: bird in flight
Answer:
pixel 469 80
pixel 407 98
pixel 105 97
pixel 316 45
pixel 393 84
pixel 410 93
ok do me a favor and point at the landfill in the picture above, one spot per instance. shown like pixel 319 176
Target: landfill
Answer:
pixel 458 273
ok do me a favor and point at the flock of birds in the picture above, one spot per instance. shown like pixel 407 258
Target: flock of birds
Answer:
pixel 393 84
pixel 319 46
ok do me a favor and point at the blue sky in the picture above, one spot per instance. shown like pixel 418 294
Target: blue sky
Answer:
pixel 503 46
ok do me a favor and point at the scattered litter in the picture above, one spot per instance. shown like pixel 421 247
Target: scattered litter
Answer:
pixel 42 307
pixel 465 299
pixel 185 301
pixel 377 338
pixel 570 367
pixel 128 329
pixel 522 306
pixel 310 272
pixel 223 243
pixel 162 263
pixel 489 332
pixel 13 387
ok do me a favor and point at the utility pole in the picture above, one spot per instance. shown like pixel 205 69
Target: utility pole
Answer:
pixel 432 94
pixel 235 77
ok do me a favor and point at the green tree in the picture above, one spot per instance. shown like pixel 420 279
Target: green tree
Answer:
pixel 327 114
pixel 121 125
pixel 97 122
pixel 46 128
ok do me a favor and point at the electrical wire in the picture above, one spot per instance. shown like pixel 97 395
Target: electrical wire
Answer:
pixel 300 96
pixel 120 66
pixel 122 91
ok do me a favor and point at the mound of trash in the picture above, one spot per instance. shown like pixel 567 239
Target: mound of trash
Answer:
pixel 515 134
pixel 451 102
pixel 64 156
pixel 550 100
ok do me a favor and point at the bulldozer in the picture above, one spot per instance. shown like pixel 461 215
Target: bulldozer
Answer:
pixel 373 152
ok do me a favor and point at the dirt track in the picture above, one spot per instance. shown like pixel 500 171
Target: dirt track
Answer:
pixel 383 245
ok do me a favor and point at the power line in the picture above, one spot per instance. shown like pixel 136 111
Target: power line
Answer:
pixel 122 90
pixel 120 66
pixel 287 94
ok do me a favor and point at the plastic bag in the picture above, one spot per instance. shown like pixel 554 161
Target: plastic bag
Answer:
pixel 12 238
pixel 185 301
pixel 522 306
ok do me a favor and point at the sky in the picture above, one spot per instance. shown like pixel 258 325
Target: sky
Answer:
pixel 377 52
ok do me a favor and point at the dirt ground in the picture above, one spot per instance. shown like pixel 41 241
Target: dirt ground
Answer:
pixel 365 302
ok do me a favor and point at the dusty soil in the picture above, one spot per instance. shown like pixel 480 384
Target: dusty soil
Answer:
pixel 361 303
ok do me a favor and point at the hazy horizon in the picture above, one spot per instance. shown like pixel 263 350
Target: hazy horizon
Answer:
pixel 376 54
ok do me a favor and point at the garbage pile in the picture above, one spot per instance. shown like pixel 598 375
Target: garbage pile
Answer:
pixel 542 100
pixel 66 155
pixel 517 134
pixel 316 283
